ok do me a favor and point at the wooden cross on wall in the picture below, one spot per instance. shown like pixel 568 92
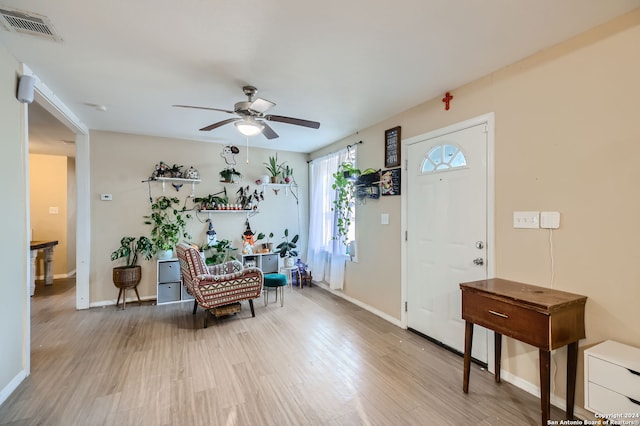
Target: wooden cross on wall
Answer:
pixel 447 99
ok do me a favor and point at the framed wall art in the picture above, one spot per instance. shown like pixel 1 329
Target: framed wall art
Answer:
pixel 390 181
pixel 392 147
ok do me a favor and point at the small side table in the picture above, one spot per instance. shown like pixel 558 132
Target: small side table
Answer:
pixel 288 271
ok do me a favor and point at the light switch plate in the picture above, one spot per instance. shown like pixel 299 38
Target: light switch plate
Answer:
pixel 550 220
pixel 529 220
pixel 106 197
pixel 384 219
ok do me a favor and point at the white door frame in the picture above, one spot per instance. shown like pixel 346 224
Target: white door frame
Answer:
pixel 50 102
pixel 487 119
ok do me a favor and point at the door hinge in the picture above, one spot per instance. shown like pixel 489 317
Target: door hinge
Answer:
pixel 406 235
pixel 406 165
pixel 406 306
pixel 486 128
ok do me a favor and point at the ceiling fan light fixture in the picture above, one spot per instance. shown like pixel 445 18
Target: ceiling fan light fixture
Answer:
pixel 249 127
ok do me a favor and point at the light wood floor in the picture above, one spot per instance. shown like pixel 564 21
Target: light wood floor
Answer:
pixel 317 361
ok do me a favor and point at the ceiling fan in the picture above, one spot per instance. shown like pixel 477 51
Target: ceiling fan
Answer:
pixel 251 118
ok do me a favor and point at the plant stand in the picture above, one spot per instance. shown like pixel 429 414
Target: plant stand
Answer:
pixel 125 278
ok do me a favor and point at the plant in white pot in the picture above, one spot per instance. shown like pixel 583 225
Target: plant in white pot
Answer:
pixel 286 249
pixel 168 225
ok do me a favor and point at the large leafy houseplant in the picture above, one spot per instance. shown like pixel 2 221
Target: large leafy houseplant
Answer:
pixel 343 205
pixel 286 249
pixel 168 223
pixel 129 275
pixel 129 249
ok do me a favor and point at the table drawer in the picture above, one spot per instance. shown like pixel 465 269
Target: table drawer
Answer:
pixel 615 377
pixel 603 400
pixel 511 320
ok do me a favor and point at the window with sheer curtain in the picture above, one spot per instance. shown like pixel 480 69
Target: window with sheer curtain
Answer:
pixel 325 255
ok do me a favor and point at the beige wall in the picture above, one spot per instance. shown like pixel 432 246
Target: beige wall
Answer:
pixel 14 298
pixel 567 139
pixel 48 189
pixel 119 164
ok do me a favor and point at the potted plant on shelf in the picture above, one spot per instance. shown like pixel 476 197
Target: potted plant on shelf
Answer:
pixel 286 249
pixel 168 225
pixel 128 276
pixel 268 246
pixel 274 168
pixel 230 175
pixel 288 174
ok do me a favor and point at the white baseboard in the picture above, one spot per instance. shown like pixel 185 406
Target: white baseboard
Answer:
pixel 112 302
pixel 556 401
pixel 12 386
pixel 364 306
pixel 59 276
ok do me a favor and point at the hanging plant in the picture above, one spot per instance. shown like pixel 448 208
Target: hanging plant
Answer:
pixel 343 205
pixel 168 223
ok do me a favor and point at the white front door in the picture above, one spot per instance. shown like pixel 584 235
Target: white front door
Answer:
pixel 447 232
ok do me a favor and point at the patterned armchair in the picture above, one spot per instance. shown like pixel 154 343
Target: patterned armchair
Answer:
pixel 217 285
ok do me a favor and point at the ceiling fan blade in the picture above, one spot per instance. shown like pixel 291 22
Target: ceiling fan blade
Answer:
pixel 219 123
pixel 267 131
pixel 207 108
pixel 291 120
pixel 261 105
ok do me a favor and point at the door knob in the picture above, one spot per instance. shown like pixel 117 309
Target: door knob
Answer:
pixel 479 245
pixel 478 261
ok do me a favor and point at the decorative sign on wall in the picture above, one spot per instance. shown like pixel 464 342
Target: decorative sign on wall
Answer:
pixel 392 147
pixel 390 182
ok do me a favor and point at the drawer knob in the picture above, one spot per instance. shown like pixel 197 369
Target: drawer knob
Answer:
pixel 499 314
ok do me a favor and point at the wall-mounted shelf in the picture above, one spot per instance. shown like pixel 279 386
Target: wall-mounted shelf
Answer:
pixel 249 213
pixel 288 187
pixel 164 180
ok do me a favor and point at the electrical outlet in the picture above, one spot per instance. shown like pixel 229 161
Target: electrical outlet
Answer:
pixel 550 220
pixel 529 220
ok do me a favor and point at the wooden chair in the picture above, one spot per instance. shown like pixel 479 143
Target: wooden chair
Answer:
pixel 304 274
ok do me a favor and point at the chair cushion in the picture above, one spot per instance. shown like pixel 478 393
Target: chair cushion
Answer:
pixel 275 280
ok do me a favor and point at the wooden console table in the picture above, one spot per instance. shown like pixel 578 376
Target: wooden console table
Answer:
pixel 545 318
pixel 47 246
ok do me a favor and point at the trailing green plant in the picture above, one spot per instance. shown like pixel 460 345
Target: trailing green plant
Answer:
pixel 247 199
pixel 130 247
pixel 218 253
pixel 287 248
pixel 168 223
pixel 273 167
pixel 343 205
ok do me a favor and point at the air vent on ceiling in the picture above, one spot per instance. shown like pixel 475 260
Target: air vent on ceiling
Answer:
pixel 33 24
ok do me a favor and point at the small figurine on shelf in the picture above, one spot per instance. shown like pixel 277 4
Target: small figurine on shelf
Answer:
pixel 192 173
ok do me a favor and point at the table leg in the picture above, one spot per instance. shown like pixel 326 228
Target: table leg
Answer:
pixel 468 339
pixel 545 401
pixel 572 365
pixel 34 256
pixel 497 346
pixel 48 264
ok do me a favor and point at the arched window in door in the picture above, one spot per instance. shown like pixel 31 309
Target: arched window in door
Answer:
pixel 443 157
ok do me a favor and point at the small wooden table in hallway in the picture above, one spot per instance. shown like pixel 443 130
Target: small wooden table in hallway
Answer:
pixel 47 247
pixel 543 317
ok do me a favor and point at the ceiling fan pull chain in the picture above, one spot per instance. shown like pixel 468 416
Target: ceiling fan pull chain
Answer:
pixel 247 137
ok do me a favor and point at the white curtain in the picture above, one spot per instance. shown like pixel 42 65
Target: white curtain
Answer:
pixel 326 256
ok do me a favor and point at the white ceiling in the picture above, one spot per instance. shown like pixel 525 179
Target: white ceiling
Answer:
pixel 345 63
